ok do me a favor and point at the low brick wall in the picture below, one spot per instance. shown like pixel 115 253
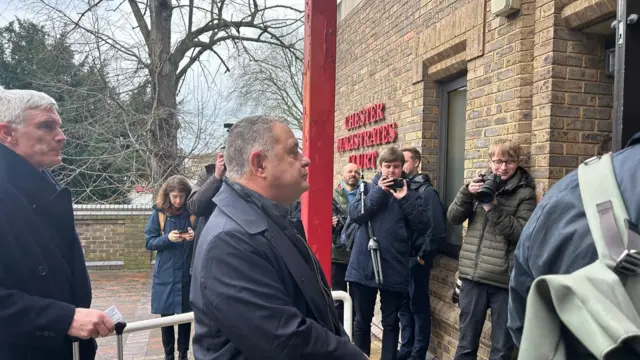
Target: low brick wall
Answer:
pixel 112 236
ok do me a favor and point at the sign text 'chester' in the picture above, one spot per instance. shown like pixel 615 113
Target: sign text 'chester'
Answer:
pixel 374 136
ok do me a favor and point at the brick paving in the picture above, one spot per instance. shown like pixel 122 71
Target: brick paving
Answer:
pixel 130 292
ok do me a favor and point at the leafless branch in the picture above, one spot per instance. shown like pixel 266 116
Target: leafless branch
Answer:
pixel 171 63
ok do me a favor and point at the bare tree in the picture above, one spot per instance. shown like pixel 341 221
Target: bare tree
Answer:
pixel 268 79
pixel 157 44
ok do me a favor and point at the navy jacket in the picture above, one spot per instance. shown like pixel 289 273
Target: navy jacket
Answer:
pixel 394 222
pixel 254 295
pixel 171 275
pixel 426 245
pixel 557 239
pixel 43 276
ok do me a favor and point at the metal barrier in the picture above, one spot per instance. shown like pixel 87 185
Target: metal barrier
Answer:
pixel 124 328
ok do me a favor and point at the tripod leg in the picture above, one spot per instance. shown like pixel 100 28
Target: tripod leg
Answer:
pixel 374 264
pixel 380 268
pixel 375 253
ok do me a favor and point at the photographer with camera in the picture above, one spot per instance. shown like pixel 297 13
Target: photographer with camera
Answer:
pixel 390 213
pixel 497 205
pixel 200 202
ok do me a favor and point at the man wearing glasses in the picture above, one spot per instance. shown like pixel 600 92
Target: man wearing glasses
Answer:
pixel 497 204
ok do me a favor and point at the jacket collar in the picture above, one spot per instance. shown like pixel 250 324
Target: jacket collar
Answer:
pixel 635 139
pixel 243 212
pixel 417 180
pixel 16 172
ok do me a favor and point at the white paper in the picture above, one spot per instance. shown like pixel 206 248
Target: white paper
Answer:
pixel 113 314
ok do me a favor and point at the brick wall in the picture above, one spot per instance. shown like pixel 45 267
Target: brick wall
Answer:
pixel 534 77
pixel 374 66
pixel 112 236
pixel 572 97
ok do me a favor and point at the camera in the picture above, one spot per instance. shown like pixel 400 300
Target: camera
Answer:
pixel 488 191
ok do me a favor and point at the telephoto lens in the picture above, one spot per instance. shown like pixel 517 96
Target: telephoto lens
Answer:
pixel 488 191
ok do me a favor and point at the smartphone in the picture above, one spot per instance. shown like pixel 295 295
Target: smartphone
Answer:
pixel 397 184
pixel 183 231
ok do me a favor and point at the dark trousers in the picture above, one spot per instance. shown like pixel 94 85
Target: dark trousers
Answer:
pixel 338 272
pixel 365 301
pixel 168 338
pixel 415 314
pixel 475 299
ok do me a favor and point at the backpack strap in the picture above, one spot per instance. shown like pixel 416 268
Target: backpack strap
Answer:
pixel 162 218
pixel 423 188
pixel 613 234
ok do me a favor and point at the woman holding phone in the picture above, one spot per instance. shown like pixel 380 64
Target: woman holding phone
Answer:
pixel 169 231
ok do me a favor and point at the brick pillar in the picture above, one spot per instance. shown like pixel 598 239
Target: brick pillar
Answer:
pixel 429 128
pixel 571 97
pixel 499 100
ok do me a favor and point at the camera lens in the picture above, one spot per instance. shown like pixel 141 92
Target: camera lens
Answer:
pixel 484 195
pixel 488 191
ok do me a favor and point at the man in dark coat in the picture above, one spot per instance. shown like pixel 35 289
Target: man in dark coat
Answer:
pixel 395 214
pixel 258 291
pixel 45 293
pixel 557 238
pixel 200 202
pixel 415 314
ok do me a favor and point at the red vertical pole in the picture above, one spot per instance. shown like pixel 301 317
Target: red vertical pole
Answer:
pixel 319 83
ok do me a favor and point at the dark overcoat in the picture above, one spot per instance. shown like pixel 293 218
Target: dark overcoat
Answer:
pixel 254 294
pixel 43 276
pixel 200 202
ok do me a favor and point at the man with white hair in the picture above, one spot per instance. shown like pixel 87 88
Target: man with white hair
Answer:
pixel 258 291
pixel 45 293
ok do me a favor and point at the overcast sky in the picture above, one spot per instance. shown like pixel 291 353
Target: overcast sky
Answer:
pixel 204 85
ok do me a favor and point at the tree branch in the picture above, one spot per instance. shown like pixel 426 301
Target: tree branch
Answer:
pixel 190 26
pixel 103 37
pixel 142 23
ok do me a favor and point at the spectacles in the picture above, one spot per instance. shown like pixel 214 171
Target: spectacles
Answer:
pixel 499 162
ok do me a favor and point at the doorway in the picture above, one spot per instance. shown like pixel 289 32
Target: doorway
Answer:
pixel 452 135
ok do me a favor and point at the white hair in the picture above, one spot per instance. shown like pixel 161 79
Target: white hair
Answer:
pixel 253 133
pixel 14 104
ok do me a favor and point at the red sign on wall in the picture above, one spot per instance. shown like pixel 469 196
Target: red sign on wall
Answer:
pixel 370 114
pixel 379 135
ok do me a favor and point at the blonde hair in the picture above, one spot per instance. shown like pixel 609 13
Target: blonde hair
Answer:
pixel 175 183
pixel 506 147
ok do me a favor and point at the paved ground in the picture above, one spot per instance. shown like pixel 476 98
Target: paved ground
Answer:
pixel 131 293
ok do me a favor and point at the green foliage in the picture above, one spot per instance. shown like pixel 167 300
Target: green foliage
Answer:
pixel 102 163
